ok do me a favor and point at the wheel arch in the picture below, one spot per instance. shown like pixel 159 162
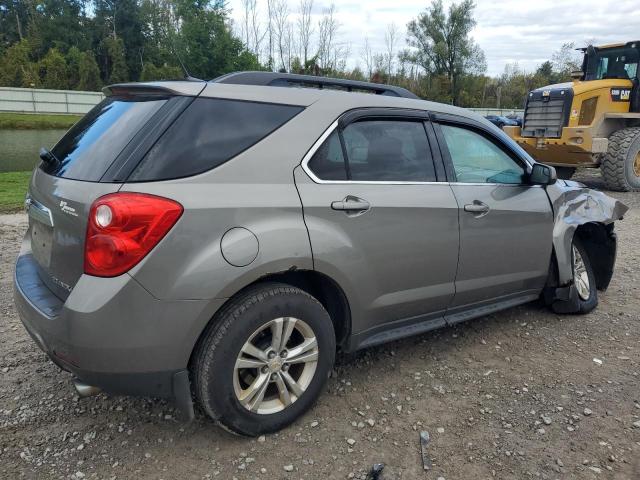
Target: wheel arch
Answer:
pixel 600 243
pixel 320 286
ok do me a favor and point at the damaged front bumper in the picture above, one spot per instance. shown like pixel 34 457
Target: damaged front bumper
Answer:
pixel 593 213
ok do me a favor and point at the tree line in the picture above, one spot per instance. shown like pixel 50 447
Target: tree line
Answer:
pixel 85 44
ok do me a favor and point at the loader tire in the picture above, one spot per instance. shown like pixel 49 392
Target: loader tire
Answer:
pixel 620 166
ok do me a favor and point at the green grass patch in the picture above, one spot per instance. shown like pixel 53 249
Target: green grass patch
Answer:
pixel 13 188
pixel 36 121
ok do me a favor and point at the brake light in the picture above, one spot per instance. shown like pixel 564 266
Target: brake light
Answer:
pixel 123 228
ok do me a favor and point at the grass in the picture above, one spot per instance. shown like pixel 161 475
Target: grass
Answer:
pixel 13 187
pixel 33 121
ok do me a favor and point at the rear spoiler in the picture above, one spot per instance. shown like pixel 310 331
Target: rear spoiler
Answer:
pixel 185 88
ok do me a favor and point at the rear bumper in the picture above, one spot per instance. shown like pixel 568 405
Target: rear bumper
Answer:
pixel 110 332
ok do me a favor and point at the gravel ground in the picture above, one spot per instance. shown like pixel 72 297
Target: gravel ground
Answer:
pixel 520 394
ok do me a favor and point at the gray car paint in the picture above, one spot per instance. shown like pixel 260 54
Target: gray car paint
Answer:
pixel 507 251
pixel 150 318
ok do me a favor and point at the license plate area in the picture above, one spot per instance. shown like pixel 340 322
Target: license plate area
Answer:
pixel 41 242
pixel 41 228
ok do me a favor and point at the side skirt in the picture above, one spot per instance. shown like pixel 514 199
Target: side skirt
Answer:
pixel 424 323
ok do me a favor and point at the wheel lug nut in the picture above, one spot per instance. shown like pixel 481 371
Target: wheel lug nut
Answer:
pixel 271 354
pixel 273 377
pixel 265 369
pixel 284 353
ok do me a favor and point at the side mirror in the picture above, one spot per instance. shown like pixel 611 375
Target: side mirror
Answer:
pixel 542 174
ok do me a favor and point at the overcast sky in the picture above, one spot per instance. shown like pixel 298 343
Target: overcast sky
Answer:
pixel 522 31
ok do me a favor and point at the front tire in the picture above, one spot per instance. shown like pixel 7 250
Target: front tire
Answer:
pixel 585 296
pixel 620 166
pixel 265 359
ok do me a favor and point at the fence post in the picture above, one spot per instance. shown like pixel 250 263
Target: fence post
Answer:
pixel 33 99
pixel 66 101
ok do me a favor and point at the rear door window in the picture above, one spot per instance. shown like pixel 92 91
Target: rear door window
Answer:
pixel 377 151
pixel 328 161
pixel 91 145
pixel 210 132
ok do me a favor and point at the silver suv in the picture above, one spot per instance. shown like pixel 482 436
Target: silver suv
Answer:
pixel 224 239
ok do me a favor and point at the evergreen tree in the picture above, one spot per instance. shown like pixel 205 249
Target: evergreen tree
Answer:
pixel 73 58
pixel 89 73
pixel 16 68
pixel 53 70
pixel 118 71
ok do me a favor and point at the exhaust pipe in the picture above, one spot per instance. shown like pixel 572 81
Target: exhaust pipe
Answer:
pixel 85 390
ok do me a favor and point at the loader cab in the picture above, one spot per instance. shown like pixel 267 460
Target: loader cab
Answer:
pixel 615 62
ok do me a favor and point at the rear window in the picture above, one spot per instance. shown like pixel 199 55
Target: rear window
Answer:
pixel 210 132
pixel 91 145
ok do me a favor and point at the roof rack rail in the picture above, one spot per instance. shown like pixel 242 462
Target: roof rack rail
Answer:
pixel 273 79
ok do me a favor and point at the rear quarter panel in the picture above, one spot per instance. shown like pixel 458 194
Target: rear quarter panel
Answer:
pixel 255 190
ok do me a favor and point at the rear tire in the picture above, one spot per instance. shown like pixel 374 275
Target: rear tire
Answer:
pixel 620 166
pixel 257 344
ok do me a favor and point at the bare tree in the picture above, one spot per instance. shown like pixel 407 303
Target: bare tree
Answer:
pixel 390 38
pixel 251 29
pixel 282 27
pixel 367 58
pixel 327 30
pixel 270 32
pixel 305 29
pixel 244 30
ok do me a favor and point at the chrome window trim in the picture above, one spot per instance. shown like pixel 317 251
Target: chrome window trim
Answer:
pixel 314 148
pixel 320 141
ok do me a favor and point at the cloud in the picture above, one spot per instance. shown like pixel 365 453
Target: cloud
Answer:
pixel 526 32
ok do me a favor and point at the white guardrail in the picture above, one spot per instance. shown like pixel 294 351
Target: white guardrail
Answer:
pixel 38 100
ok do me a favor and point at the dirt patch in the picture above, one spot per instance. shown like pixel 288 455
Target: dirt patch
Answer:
pixel 513 395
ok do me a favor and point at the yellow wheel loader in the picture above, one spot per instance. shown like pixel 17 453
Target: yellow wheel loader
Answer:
pixel 593 121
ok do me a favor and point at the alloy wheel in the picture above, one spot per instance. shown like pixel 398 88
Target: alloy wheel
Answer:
pixel 276 365
pixel 580 275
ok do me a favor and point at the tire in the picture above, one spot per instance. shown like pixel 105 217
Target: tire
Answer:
pixel 565 173
pixel 250 318
pixel 583 299
pixel 620 166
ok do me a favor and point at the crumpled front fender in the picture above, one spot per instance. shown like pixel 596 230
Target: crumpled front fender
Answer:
pixel 574 205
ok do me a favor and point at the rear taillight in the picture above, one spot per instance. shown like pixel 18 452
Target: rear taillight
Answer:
pixel 123 228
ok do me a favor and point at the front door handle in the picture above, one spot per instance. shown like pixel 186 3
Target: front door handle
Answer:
pixel 478 208
pixel 351 204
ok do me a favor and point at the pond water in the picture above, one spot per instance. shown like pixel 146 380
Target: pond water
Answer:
pixel 19 148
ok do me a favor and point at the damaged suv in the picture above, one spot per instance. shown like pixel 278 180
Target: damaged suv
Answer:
pixel 223 239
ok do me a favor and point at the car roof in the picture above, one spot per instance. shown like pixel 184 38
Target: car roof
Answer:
pixel 300 96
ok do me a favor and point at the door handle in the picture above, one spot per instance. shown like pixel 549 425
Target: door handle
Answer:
pixel 478 208
pixel 351 204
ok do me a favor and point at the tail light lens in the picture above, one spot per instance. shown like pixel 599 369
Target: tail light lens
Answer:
pixel 123 228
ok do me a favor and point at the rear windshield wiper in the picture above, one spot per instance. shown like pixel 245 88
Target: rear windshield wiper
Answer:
pixel 48 157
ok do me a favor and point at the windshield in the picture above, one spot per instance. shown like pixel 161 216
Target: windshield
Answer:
pixel 619 62
pixel 92 144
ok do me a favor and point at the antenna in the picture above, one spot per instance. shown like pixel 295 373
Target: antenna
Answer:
pixel 184 69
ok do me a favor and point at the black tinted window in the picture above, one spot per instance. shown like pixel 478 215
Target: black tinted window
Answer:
pixel 328 162
pixel 388 150
pixel 91 145
pixel 210 132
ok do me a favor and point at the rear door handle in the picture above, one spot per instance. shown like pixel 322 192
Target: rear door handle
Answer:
pixel 478 208
pixel 350 204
